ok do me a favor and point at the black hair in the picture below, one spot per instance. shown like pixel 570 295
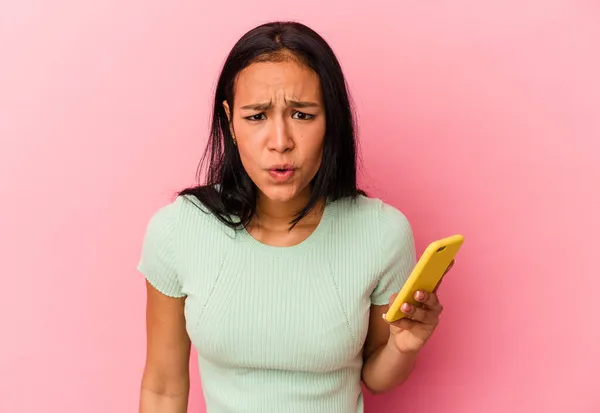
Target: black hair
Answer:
pixel 228 192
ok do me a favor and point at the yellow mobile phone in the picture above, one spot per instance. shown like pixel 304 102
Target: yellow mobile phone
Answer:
pixel 427 274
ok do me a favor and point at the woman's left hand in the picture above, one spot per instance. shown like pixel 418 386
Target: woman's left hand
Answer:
pixel 410 333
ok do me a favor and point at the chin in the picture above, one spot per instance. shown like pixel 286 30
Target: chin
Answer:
pixel 280 193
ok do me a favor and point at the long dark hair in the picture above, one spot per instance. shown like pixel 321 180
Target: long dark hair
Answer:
pixel 228 191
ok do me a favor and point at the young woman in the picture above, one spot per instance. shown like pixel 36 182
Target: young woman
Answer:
pixel 278 269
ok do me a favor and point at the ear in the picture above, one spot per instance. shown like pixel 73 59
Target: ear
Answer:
pixel 228 113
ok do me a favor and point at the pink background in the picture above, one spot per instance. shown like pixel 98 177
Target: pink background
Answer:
pixel 476 117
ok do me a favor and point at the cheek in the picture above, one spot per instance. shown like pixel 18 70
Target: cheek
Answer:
pixel 248 158
pixel 250 142
pixel 314 156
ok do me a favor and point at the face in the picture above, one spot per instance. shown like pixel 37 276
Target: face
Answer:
pixel 279 125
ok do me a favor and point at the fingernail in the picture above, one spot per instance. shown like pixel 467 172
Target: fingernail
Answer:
pixel 419 295
pixel 406 307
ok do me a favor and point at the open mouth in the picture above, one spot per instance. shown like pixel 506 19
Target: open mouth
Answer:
pixel 284 167
pixel 281 173
pixel 281 170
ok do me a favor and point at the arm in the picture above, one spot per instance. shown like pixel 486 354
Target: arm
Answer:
pixel 391 349
pixel 385 367
pixel 165 381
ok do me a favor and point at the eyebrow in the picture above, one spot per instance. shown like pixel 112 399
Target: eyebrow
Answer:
pixel 290 103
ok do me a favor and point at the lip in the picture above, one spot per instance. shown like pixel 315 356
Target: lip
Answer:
pixel 281 172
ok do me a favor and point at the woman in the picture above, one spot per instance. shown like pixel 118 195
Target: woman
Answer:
pixel 279 269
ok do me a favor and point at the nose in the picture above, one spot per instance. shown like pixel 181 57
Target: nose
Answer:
pixel 280 140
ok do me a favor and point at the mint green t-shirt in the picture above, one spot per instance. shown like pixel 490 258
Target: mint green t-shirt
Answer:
pixel 280 329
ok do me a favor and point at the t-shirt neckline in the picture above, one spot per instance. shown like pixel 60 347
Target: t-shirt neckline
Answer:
pixel 310 241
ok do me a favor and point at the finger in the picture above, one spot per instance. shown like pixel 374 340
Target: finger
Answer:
pixel 404 324
pixel 443 275
pixel 449 266
pixel 429 300
pixel 419 314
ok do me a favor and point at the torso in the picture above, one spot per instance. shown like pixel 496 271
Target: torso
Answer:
pixel 280 328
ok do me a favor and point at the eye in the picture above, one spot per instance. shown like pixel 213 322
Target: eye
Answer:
pixel 302 116
pixel 257 117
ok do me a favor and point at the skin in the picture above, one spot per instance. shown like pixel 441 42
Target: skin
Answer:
pixel 279 118
pixel 165 381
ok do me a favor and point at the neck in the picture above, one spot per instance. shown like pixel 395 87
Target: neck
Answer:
pixel 278 215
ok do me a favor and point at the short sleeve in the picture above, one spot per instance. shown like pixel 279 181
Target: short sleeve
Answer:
pixel 157 262
pixel 398 256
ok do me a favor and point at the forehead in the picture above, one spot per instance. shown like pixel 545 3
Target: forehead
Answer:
pixel 272 81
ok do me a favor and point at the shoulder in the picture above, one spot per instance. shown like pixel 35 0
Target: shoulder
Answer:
pixel 375 213
pixel 183 213
pixel 170 213
pixel 392 219
pixel 376 223
pixel 396 252
pixel 163 220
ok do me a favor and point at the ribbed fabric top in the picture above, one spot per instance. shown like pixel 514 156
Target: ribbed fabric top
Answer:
pixel 280 329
